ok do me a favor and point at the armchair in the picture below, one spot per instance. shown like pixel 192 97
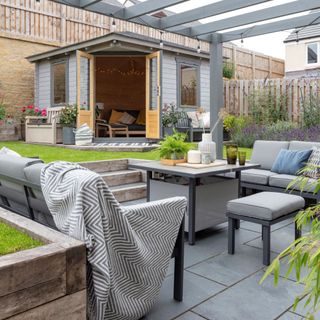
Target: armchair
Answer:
pixel 45 129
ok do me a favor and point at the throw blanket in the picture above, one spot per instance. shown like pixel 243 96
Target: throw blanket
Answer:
pixel 128 248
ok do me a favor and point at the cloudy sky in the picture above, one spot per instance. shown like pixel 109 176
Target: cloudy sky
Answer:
pixel 271 44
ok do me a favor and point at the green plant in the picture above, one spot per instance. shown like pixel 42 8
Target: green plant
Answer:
pixel 68 115
pixel 2 111
pixel 228 70
pixel 171 115
pixel 311 111
pixel 303 253
pixel 229 122
pixel 174 146
pixel 268 107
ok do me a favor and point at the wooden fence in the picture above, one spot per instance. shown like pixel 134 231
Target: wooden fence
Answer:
pixel 237 94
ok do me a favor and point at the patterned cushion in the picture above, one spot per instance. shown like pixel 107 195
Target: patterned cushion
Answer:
pixel 115 116
pixel 314 164
pixel 141 120
pixel 127 118
pixel 194 119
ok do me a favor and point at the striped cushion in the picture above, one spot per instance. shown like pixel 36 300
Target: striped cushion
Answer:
pixel 314 164
pixel 127 118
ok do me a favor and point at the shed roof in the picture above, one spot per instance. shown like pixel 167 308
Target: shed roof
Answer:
pixel 125 37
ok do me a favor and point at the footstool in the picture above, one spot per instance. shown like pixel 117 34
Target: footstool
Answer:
pixel 266 209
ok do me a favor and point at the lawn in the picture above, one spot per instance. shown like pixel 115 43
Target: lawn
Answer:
pixel 48 153
pixel 12 240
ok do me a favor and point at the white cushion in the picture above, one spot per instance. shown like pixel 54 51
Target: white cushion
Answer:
pixel 9 152
pixel 194 119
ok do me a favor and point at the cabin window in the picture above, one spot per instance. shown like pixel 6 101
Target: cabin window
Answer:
pixel 313 53
pixel 189 85
pixel 59 82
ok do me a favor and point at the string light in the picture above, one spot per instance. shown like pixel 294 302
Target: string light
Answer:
pixel 161 40
pixel 199 47
pixel 241 37
pixel 297 36
pixel 113 25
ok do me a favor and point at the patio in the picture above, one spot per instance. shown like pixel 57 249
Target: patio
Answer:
pixel 220 286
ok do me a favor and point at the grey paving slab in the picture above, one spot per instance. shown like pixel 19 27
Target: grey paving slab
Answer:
pixel 302 311
pixel 196 289
pixel 229 269
pixel 290 316
pixel 189 316
pixel 280 239
pixel 211 243
pixel 251 301
pixel 257 228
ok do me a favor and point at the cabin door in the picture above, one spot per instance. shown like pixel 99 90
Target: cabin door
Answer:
pixel 85 89
pixel 153 95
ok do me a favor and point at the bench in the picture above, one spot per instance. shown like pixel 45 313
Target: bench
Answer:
pixel 266 209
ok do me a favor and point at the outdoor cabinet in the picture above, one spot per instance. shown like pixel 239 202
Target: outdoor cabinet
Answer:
pixel 212 195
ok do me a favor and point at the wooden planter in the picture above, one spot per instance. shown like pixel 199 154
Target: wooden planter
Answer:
pixel 8 131
pixel 47 282
pixel 170 162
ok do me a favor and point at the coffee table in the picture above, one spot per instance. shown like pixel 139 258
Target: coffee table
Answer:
pixel 193 180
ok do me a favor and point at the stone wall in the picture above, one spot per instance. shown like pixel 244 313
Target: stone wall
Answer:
pixel 16 73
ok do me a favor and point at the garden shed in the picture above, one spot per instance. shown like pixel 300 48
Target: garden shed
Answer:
pixel 123 72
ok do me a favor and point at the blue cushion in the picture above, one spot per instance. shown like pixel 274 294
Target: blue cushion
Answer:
pixel 290 161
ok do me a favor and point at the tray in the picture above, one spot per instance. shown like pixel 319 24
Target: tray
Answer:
pixel 216 163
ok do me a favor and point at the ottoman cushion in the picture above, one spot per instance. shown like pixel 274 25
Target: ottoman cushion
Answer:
pixel 266 205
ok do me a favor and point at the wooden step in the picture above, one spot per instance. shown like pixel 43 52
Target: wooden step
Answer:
pixel 129 192
pixel 117 178
pixel 106 165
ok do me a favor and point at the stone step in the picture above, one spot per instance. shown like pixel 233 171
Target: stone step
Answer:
pixel 122 177
pixel 104 166
pixel 129 192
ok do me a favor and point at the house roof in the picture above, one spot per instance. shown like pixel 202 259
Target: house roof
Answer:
pixel 304 33
pixel 124 37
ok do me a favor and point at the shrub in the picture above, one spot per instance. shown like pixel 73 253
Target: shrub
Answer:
pixel 68 115
pixel 2 112
pixel 311 111
pixel 174 146
pixel 228 70
pixel 267 107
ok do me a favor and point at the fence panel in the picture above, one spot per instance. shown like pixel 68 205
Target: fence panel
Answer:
pixel 237 94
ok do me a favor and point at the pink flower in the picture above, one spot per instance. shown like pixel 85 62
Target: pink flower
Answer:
pixel 30 106
pixel 43 112
pixel 36 110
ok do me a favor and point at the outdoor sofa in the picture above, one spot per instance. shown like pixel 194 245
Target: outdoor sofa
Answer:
pixel 20 192
pixel 263 179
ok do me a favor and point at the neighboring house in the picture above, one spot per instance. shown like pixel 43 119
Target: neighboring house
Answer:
pixel 303 53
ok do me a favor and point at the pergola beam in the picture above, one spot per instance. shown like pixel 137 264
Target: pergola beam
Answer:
pixel 258 30
pixel 145 7
pixel 85 3
pixel 205 12
pixel 253 17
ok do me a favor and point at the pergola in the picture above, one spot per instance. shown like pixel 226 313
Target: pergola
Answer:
pixel 217 32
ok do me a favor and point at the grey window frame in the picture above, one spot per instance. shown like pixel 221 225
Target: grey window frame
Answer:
pixel 190 63
pixel 318 53
pixel 53 63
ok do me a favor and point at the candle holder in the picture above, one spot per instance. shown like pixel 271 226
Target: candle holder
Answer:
pixel 232 153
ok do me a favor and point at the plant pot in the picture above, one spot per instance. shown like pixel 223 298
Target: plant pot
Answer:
pixel 168 131
pixel 68 136
pixel 172 162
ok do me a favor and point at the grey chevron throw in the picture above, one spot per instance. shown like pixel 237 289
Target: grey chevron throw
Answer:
pixel 128 248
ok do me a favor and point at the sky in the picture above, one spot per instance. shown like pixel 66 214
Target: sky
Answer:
pixel 271 44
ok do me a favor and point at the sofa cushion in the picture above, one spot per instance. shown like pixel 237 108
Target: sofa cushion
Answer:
pixel 266 152
pixel 32 173
pixel 115 116
pixel 313 170
pixel 256 176
pixel 266 205
pixel 291 161
pixel 303 145
pixel 283 180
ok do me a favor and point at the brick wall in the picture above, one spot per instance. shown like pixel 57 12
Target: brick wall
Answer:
pixel 16 73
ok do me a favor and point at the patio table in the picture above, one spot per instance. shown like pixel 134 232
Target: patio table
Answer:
pixel 193 178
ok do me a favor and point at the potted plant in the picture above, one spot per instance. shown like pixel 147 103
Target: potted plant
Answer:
pixel 170 118
pixel 173 149
pixel 68 121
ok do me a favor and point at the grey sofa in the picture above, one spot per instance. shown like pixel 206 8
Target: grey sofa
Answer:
pixel 263 179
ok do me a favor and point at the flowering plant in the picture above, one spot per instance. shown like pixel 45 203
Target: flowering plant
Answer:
pixel 171 115
pixel 31 110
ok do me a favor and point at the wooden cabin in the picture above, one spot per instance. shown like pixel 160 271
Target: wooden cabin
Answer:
pixel 122 72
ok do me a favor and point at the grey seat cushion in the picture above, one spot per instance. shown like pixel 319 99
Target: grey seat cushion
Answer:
pixel 303 145
pixel 283 180
pixel 266 205
pixel 266 152
pixel 256 176
pixel 32 173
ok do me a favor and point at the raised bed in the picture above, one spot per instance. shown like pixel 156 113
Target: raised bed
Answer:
pixel 46 282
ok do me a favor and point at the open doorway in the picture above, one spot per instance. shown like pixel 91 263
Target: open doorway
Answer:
pixel 121 95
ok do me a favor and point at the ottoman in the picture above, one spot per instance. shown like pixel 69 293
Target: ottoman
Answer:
pixel 266 209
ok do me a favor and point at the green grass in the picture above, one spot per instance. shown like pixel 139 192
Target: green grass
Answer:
pixel 12 240
pixel 48 153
